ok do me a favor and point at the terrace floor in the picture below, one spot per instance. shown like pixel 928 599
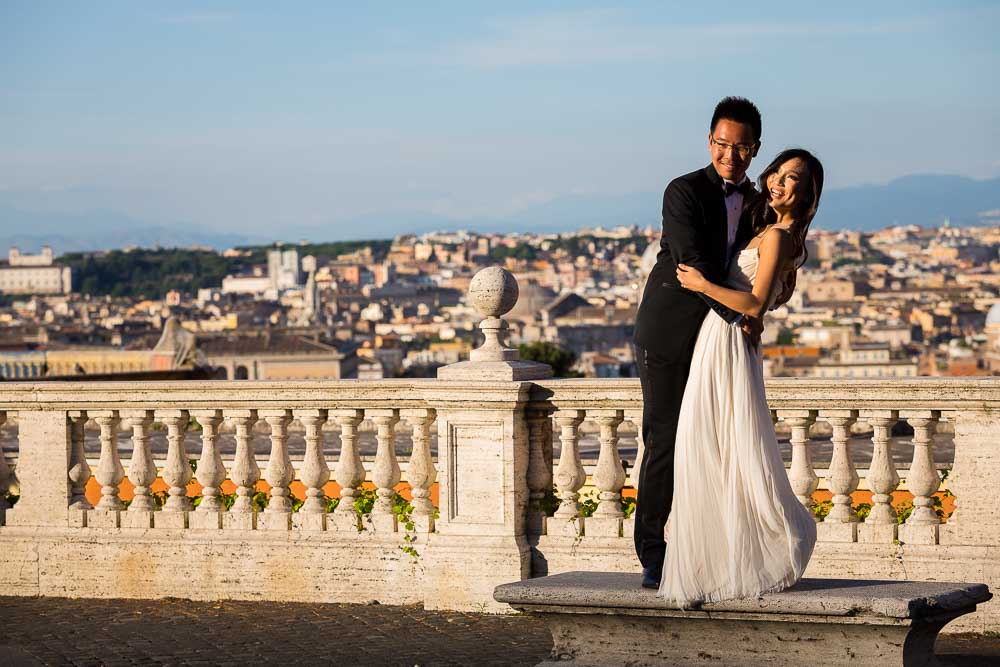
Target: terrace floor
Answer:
pixel 58 631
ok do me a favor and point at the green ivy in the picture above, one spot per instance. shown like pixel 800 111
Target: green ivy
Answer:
pixel 159 499
pixel 903 509
pixel 549 503
pixel 822 509
pixel 364 503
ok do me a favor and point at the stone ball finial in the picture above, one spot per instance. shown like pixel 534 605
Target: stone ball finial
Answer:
pixel 493 291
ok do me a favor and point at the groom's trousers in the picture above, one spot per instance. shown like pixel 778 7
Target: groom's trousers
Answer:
pixel 663 381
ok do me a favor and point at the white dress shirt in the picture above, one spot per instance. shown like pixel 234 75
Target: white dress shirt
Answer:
pixel 734 207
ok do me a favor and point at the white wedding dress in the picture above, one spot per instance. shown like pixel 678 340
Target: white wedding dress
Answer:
pixel 736 528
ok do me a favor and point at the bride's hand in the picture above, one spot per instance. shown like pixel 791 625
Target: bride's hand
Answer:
pixel 691 278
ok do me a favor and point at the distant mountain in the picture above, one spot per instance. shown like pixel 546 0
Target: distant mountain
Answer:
pixel 384 225
pixel 571 212
pixel 918 199
pixel 100 230
pixel 925 200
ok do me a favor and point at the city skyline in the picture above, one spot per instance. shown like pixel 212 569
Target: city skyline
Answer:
pixel 241 119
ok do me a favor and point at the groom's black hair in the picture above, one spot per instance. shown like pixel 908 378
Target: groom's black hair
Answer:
pixel 740 110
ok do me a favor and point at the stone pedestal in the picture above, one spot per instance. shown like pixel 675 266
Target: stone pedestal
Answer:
pixel 877 533
pixel 44 443
pixel 141 519
pixel 500 371
pixel 344 521
pixel 574 527
pixel 104 518
pixel 310 521
pixel 974 480
pixel 483 461
pixel 837 531
pixel 206 520
pixel 603 526
pixel 274 521
pixel 918 534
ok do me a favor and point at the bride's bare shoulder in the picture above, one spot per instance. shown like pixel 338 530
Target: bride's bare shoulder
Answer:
pixel 777 241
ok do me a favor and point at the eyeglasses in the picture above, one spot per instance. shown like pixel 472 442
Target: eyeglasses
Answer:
pixel 743 150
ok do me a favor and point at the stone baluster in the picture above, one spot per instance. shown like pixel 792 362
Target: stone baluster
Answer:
pixel 385 471
pixel 609 476
pixel 211 472
pixel 421 473
pixel 279 472
pixel 801 474
pixel 315 472
pixel 350 473
pixel 570 475
pixel 922 525
pixel 79 469
pixel 880 526
pixel 176 471
pixel 635 416
pixel 109 473
pixel 841 524
pixel 539 467
pixel 245 472
pixel 141 471
pixel 6 476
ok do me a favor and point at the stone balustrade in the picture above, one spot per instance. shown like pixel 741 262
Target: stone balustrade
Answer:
pixel 847 413
pixel 501 485
pixel 508 508
pixel 797 405
pixel 176 407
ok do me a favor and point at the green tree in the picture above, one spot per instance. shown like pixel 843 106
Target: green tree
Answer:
pixel 549 353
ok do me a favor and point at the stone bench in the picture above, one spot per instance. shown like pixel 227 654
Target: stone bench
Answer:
pixel 601 618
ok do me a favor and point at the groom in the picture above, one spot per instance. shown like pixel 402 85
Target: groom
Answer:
pixel 702 226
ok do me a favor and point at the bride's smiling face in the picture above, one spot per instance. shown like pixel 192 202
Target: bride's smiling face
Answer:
pixel 787 186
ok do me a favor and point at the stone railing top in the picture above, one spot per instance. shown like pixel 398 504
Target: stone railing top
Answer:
pixel 824 597
pixel 215 394
pixel 813 393
pixel 259 394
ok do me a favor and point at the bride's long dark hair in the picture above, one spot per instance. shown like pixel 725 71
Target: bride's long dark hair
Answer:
pixel 762 215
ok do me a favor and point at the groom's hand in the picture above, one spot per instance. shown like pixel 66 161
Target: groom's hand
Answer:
pixel 752 327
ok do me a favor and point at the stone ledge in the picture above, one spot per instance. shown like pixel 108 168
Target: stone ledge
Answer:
pixel 817 597
pixel 501 371
pixel 600 619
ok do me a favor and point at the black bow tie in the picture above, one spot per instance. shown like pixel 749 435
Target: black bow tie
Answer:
pixel 743 188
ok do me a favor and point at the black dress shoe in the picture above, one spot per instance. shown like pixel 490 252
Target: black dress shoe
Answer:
pixel 651 577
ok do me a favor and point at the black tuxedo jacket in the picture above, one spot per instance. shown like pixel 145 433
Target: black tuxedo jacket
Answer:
pixel 695 228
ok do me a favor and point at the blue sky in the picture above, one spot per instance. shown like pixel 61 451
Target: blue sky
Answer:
pixel 248 116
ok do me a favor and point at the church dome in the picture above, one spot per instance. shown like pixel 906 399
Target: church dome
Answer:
pixel 993 316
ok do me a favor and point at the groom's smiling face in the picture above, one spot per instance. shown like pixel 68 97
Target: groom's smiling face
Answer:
pixel 733 147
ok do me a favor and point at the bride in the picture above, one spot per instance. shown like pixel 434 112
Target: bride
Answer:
pixel 736 528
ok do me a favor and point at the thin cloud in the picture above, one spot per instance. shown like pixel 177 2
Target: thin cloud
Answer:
pixel 610 36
